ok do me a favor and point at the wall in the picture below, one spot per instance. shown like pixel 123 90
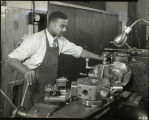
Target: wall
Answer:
pixel 15 26
pixel 143 9
pixel 42 5
pixel 92 4
pixel 39 5
pixel 143 12
pixel 119 8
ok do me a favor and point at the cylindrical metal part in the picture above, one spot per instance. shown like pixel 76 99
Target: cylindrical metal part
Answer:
pixel 16 112
pixel 117 88
pixel 100 71
pixel 31 115
pixel 22 114
pixel 19 112
pixel 74 89
pixel 57 98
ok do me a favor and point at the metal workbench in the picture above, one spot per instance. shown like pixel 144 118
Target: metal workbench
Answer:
pixel 76 110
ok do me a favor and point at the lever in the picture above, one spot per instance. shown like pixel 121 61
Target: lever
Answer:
pixel 8 99
pixel 87 66
pixel 23 99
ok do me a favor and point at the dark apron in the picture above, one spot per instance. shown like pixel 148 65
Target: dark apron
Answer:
pixel 46 73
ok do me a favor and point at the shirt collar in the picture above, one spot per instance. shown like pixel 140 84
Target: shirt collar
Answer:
pixel 50 37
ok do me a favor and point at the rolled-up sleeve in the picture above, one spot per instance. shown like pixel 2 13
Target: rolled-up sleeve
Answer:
pixel 25 50
pixel 70 48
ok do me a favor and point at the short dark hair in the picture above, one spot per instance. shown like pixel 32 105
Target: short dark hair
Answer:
pixel 56 15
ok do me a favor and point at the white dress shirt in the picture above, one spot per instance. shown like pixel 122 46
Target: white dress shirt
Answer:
pixel 33 48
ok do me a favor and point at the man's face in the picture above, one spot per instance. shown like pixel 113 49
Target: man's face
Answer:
pixel 58 27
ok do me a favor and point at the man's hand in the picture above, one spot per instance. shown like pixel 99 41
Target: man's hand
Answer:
pixel 106 55
pixel 30 77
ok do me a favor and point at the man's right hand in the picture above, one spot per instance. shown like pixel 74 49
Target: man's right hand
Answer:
pixel 30 77
pixel 106 55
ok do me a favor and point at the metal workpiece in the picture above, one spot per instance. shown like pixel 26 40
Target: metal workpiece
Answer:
pixel 74 89
pixel 116 88
pixel 89 88
pixel 104 93
pixel 61 98
pixel 58 92
pixel 88 92
pixel 90 103
pixel 104 81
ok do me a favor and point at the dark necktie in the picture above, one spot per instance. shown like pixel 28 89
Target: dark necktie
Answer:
pixel 55 43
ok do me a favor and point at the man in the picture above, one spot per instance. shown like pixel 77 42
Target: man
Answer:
pixel 37 56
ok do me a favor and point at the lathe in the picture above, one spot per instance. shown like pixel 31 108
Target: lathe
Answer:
pixel 89 96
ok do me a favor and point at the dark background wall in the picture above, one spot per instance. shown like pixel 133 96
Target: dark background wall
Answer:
pixel 92 4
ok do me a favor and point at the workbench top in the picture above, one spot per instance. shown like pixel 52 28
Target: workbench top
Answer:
pixel 76 110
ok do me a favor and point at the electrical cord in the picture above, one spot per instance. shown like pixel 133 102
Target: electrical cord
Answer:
pixel 33 11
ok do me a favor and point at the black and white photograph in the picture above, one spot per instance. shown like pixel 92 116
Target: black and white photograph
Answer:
pixel 74 59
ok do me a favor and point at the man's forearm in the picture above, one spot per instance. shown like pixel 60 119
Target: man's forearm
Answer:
pixel 17 65
pixel 87 54
pixel 29 74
